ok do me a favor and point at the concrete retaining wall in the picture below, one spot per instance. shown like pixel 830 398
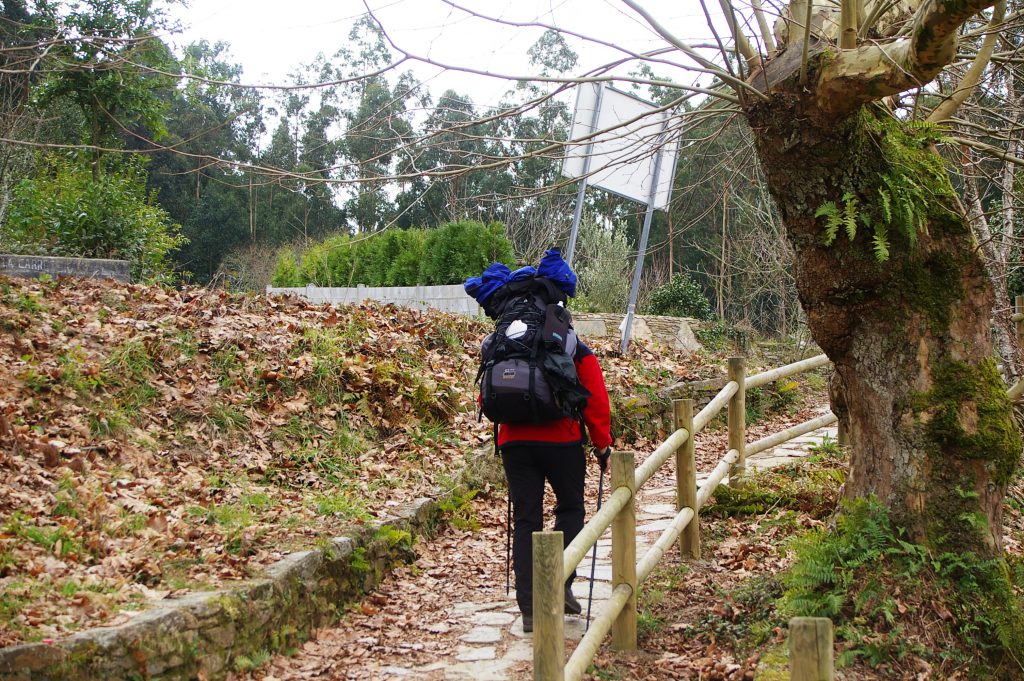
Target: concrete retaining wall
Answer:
pixel 675 332
pixel 448 298
pixel 36 265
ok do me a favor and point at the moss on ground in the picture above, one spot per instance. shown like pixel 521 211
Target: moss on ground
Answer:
pixel 893 602
pixel 774 665
pixel 811 486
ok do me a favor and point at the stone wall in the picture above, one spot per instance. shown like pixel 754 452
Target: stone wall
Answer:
pixel 675 332
pixel 36 265
pixel 451 298
pixel 199 635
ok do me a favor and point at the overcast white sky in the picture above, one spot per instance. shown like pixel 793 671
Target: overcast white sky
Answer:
pixel 271 38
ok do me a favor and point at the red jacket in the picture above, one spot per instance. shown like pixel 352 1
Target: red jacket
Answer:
pixel 597 414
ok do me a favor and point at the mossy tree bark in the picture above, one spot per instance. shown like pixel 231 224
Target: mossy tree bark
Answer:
pixel 931 431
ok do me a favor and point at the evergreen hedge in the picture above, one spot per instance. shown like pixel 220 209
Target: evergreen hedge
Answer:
pixel 445 255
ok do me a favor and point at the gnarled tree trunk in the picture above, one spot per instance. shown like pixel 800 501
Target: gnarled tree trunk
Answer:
pixel 931 432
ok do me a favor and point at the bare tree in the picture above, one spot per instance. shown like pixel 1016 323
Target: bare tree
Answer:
pixel 18 60
pixel 992 109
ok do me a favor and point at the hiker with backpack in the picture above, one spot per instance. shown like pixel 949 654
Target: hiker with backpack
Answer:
pixel 543 389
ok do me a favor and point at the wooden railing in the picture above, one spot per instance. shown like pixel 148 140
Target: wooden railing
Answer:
pixel 552 565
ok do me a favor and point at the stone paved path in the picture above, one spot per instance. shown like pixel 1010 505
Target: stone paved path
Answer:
pixel 495 648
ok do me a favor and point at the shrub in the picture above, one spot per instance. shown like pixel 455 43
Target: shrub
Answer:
pixel 250 268
pixel 392 258
pixel 715 337
pixel 375 254
pixel 404 269
pixel 458 250
pixel 446 255
pixel 64 210
pixel 605 268
pixel 332 262
pixel 286 271
pixel 680 297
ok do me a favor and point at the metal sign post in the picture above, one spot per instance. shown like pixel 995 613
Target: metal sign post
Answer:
pixel 581 194
pixel 634 291
pixel 615 137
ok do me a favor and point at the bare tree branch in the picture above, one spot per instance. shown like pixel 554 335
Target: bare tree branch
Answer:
pixel 874 71
pixel 971 79
pixel 762 24
pixel 740 87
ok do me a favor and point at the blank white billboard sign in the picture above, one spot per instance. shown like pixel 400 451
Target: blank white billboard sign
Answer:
pixel 622 158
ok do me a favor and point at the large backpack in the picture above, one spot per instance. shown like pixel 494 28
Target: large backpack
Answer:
pixel 527 373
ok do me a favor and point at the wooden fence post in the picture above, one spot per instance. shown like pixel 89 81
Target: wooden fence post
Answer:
pixel 842 437
pixel 738 420
pixel 624 551
pixel 686 479
pixel 548 607
pixel 810 649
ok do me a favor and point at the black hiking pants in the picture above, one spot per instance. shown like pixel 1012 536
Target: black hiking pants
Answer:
pixel 527 466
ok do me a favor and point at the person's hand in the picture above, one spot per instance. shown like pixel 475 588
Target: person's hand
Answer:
pixel 603 455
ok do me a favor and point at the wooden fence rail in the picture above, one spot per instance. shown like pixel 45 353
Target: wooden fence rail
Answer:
pixel 618 616
pixel 810 638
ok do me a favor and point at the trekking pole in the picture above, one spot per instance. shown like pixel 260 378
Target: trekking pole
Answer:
pixel 508 525
pixel 593 556
pixel 508 547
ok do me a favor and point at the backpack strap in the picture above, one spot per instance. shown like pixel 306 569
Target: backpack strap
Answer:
pixel 552 293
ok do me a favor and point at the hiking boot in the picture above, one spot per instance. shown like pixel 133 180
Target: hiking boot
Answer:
pixel 527 624
pixel 572 606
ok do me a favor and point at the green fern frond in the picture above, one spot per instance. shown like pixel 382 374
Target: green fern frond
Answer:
pixel 914 227
pixel 880 244
pixel 831 231
pixel 850 215
pixel 886 203
pixel 911 187
pixel 923 133
pixel 827 209
pixel 916 127
pixel 830 212
pixel 922 223
pixel 903 210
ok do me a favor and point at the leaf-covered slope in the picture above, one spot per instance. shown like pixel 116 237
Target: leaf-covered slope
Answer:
pixel 156 440
pixel 153 439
